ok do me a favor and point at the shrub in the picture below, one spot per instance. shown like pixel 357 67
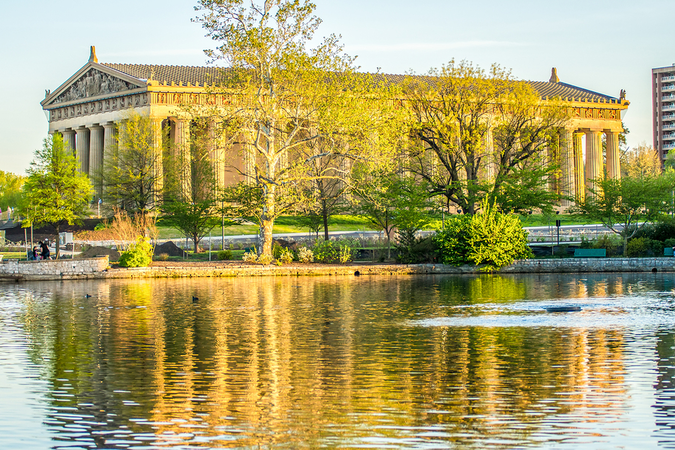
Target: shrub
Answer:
pixel 644 247
pixel 277 249
pixel 250 256
pixel 163 257
pixel 265 259
pixel 305 255
pixel 669 242
pixel 139 254
pixel 224 255
pixel 286 256
pixel 489 237
pixel 612 244
pixel 334 251
pixel 453 242
pixel 415 250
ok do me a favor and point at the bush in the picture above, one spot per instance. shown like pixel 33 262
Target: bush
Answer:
pixel 613 244
pixel 334 251
pixel 250 256
pixel 265 259
pixel 644 247
pixel 489 237
pixel 224 255
pixel 669 242
pixel 163 257
pixel 138 254
pixel 286 256
pixel 453 242
pixel 416 250
pixel 305 255
pixel 659 231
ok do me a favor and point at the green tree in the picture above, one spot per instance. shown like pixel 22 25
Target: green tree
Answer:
pixel 193 205
pixel 55 192
pixel 391 201
pixel 132 177
pixel 286 95
pixel 483 134
pixel 10 189
pixel 628 204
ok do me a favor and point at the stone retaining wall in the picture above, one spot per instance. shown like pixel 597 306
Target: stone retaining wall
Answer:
pixel 98 268
pixel 575 265
pixel 52 269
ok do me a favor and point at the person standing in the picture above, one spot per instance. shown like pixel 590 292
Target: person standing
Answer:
pixel 45 250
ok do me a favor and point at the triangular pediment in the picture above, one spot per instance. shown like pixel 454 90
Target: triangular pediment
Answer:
pixel 91 82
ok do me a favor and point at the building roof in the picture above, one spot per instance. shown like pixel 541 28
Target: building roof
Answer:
pixel 201 76
pixel 198 76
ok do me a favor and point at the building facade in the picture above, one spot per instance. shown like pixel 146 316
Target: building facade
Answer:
pixel 663 107
pixel 87 108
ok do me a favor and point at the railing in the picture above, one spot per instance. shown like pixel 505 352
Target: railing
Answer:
pixel 668 126
pixel 667 108
pixel 670 87
pixel 667 97
pixel 668 117
pixel 668 78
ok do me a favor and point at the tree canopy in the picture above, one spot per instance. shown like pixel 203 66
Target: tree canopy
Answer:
pixel 56 192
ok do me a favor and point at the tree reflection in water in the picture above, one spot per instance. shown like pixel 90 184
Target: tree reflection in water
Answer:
pixel 334 362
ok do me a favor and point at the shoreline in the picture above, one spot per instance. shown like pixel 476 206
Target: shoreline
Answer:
pixel 100 269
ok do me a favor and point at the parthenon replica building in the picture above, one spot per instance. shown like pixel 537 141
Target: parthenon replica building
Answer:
pixel 88 106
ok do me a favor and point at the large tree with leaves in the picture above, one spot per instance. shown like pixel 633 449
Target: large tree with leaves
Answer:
pixel 55 192
pixel 285 95
pixel 132 174
pixel 628 204
pixel 10 189
pixel 191 198
pixel 483 133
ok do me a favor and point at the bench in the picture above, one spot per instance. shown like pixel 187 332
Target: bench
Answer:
pixel 590 253
pixel 668 251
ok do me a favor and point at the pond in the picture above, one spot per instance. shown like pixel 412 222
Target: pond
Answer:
pixel 340 362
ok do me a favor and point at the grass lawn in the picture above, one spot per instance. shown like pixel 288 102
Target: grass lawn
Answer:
pixel 284 224
pixel 13 255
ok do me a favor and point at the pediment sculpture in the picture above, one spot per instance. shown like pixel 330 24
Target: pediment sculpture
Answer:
pixel 92 84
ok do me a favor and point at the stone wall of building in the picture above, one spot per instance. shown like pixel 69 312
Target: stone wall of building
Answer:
pixel 52 269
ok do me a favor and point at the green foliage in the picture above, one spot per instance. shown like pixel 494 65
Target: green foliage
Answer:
pixel 612 244
pixel 194 219
pixel 305 255
pixel 55 193
pixel 250 256
pixel 627 205
pixel 644 247
pixel 286 256
pixel 224 255
pixel 10 189
pixel 130 177
pixel 265 259
pixel 139 254
pixel 660 231
pixel 669 242
pixel 488 238
pixel 334 251
pixel 415 250
pixel 453 242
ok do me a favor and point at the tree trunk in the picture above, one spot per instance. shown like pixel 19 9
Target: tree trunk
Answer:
pixel 56 244
pixel 267 221
pixel 324 213
pixel 195 241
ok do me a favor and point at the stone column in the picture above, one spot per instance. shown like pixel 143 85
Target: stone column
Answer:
pixel 613 158
pixel 593 157
pixel 157 160
pixel 82 147
pixel 567 181
pixel 96 139
pixel 182 155
pixel 109 146
pixel 216 154
pixel 579 169
pixel 69 140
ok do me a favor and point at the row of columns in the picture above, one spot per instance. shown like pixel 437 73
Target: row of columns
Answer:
pixel 577 175
pixel 92 144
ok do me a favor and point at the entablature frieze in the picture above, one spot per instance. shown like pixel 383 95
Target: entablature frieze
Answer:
pixel 99 106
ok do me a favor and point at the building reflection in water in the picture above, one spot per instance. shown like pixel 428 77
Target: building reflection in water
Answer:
pixel 323 361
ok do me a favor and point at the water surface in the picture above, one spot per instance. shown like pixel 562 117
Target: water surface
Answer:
pixel 339 362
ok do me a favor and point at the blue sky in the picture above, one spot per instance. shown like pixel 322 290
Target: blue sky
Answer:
pixel 602 45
